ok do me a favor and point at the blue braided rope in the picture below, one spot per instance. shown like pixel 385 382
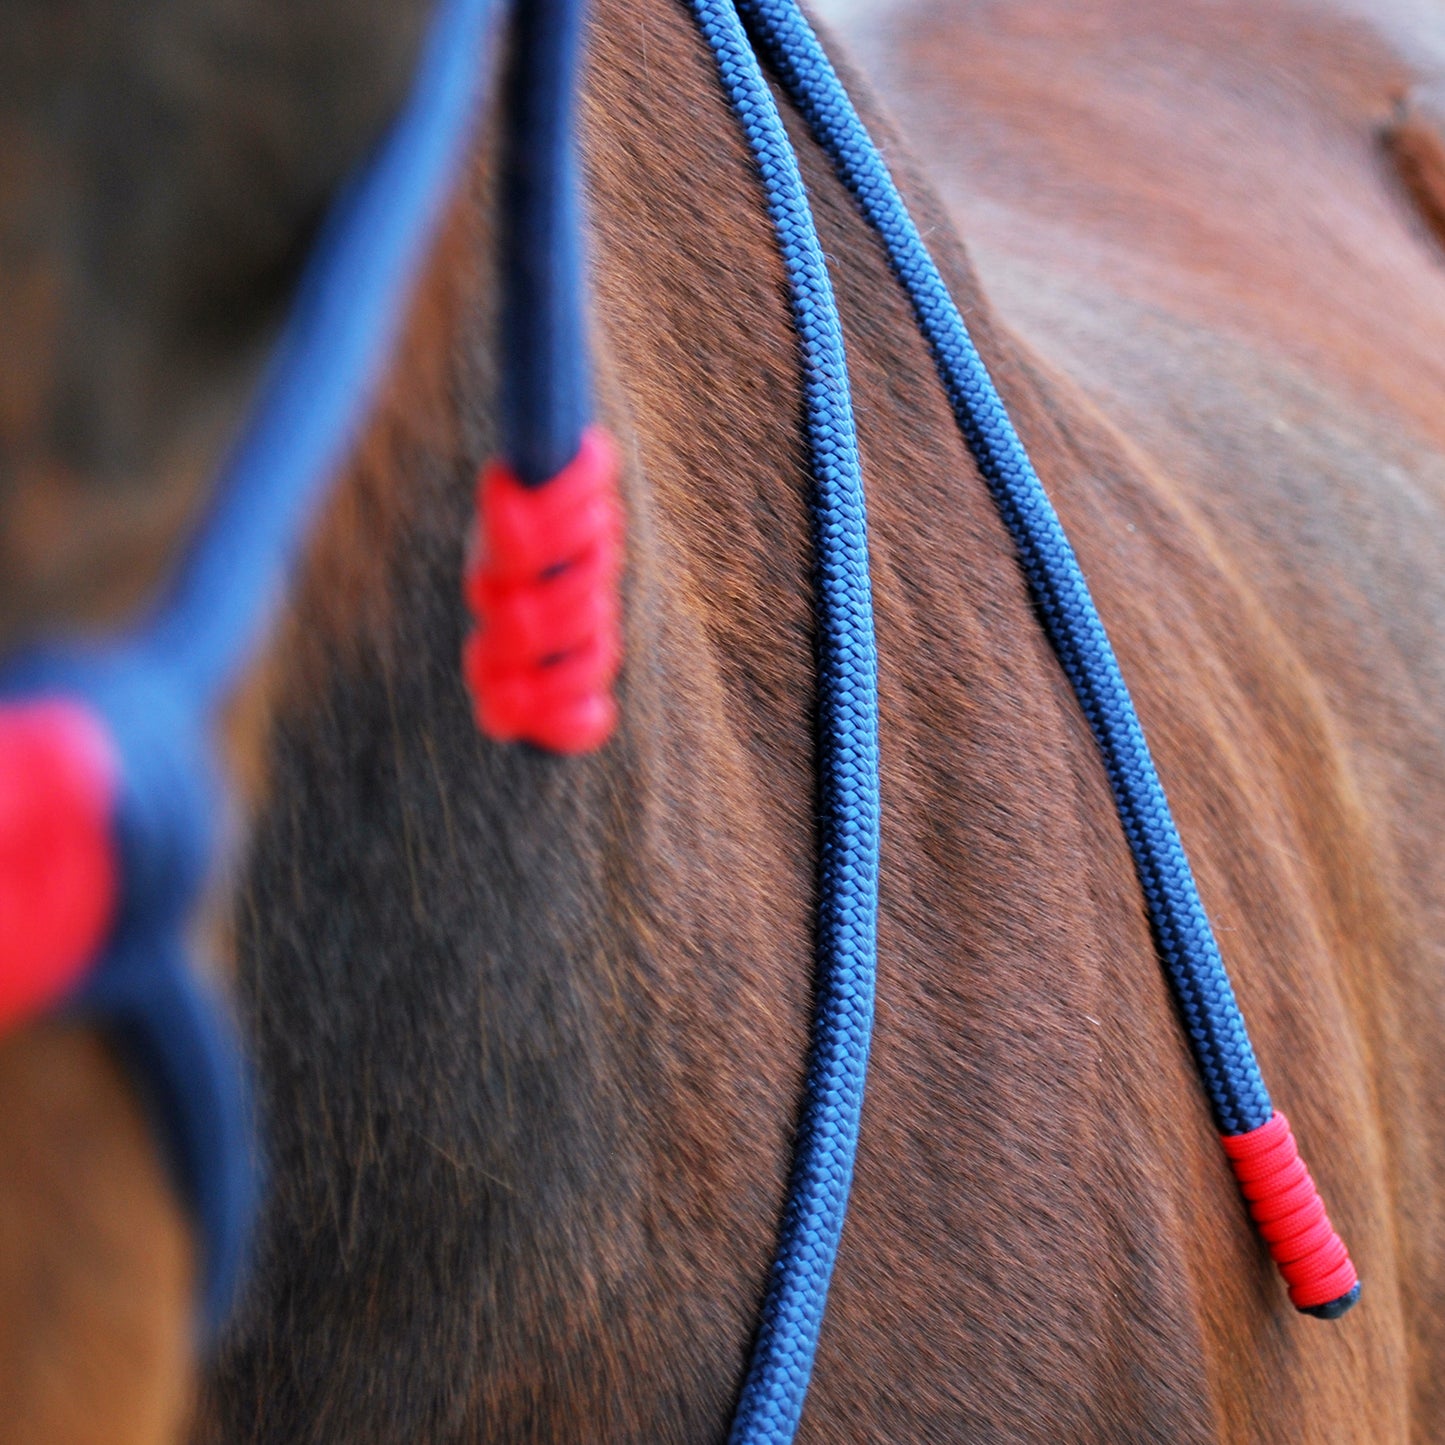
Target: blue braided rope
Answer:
pixel 1186 942
pixel 545 384
pixel 777 1380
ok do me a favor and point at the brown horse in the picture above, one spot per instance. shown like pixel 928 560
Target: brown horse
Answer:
pixel 530 1031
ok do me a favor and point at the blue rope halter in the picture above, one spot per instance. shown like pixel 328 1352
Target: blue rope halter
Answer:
pixel 158 686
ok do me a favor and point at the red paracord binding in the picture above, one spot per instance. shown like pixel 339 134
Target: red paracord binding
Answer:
pixel 543 588
pixel 59 875
pixel 1291 1217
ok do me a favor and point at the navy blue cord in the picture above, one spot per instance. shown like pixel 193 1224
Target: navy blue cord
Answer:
pixel 1185 940
pixel 546 400
pixel 777 1380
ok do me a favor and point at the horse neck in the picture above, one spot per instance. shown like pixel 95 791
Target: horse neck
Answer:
pixel 531 1031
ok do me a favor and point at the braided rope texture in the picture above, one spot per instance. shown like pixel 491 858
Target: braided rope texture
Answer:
pixel 1188 950
pixel 771 1403
pixel 1292 1220
pixel 1186 943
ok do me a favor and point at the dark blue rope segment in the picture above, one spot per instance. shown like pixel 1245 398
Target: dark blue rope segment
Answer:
pixel 545 385
pixel 772 1397
pixel 1185 940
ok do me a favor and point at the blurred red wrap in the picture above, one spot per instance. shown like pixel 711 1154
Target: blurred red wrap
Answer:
pixel 543 588
pixel 59 874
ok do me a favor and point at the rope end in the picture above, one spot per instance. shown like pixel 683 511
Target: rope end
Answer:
pixel 1287 1208
pixel 543 589
pixel 1335 1308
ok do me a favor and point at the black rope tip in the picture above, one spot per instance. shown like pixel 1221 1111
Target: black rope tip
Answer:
pixel 1336 1307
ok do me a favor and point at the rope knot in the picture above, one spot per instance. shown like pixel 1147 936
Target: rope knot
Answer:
pixel 59 871
pixel 543 588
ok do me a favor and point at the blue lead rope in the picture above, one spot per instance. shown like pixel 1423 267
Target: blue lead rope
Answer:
pixel 772 1399
pixel 1186 942
pixel 1257 1139
pixel 797 1291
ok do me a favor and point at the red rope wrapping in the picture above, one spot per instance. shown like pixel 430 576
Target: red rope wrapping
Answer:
pixel 1290 1214
pixel 543 588
pixel 59 873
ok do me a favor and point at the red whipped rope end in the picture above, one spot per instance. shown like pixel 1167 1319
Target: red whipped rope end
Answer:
pixel 1292 1220
pixel 59 873
pixel 543 588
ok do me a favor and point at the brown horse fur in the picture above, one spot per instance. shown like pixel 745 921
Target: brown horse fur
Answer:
pixel 95 1262
pixel 162 168
pixel 530 1031
pixel 1416 134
